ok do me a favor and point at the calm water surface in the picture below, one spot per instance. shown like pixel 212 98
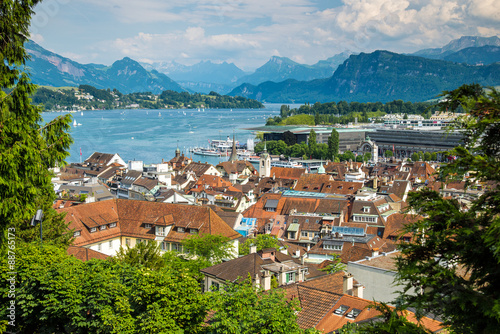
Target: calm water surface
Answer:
pixel 153 135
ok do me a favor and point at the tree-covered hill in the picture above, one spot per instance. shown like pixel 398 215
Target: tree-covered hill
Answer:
pixel 87 97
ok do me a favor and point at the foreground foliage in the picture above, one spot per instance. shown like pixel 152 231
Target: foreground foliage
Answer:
pixel 455 254
pixel 57 293
pixel 27 148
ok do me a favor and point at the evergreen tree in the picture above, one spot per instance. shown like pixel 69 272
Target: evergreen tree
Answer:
pixel 311 142
pixel 28 148
pixel 454 258
pixel 333 144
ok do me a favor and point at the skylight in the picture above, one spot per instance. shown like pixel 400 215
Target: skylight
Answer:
pixel 353 313
pixel 341 310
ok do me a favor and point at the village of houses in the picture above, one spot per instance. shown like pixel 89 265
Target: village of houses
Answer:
pixel 349 209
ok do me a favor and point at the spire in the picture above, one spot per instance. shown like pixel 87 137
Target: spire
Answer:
pixel 234 154
pixel 177 151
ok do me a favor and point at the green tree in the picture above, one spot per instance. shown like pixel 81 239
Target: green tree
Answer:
pixel 335 266
pixel 427 156
pixel 262 241
pixel 454 256
pixel 311 142
pixel 388 154
pixel 146 254
pixel 57 293
pixel 28 147
pixel 333 144
pixel 289 138
pixel 211 247
pixel 367 156
pixel 241 309
pixel 415 156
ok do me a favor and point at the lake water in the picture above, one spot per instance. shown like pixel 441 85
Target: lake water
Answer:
pixel 152 135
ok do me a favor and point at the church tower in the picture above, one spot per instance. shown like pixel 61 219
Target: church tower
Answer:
pixel 265 163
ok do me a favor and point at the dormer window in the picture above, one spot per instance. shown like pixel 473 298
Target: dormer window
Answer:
pixel 341 310
pixel 147 225
pixel 180 229
pixel 160 231
pixel 102 227
pixel 193 231
pixel 93 229
pixel 112 225
pixel 366 209
pixel 76 234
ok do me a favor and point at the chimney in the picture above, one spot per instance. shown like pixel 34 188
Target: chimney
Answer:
pixel 357 291
pixel 302 259
pixel 253 249
pixel 257 281
pixel 267 280
pixel 374 252
pixel 297 253
pixel 375 183
pixel 347 283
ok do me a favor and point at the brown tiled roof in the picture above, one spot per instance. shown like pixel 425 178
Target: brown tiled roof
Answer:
pixel 395 223
pixel 213 181
pixel 146 182
pixel 332 321
pixel 131 177
pixel 85 254
pixel 287 173
pixel 197 168
pixel 238 269
pixel 336 169
pixel 326 184
pixel 130 217
pixel 331 283
pixel 98 158
pixel 314 303
pixel 236 167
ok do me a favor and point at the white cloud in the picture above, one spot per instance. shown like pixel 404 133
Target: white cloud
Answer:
pixel 248 32
pixel 37 38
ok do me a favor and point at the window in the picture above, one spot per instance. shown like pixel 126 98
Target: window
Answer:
pixel 112 225
pixel 93 229
pixel 127 242
pixel 76 234
pixel 295 221
pixel 180 229
pixel 110 245
pixel 160 231
pixel 164 246
pixel 353 313
pixel 214 286
pixel 291 235
pixel 290 277
pixel 102 227
pixel 99 247
pixel 193 231
pixel 304 234
pixel 147 225
pixel 341 310
pixel 366 209
pixel 307 220
pixel 332 247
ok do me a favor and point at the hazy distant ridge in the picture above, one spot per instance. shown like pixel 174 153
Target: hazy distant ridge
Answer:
pixel 126 75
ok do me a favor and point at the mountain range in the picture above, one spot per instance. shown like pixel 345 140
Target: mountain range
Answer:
pixel 126 75
pixel 380 75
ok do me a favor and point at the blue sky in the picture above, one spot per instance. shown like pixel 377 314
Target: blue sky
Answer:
pixel 249 32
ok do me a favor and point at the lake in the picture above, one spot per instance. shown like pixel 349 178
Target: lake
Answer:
pixel 152 135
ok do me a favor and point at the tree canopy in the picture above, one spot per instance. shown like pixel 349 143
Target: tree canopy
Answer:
pixel 454 257
pixel 28 148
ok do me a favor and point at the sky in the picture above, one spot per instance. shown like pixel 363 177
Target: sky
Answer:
pixel 248 32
